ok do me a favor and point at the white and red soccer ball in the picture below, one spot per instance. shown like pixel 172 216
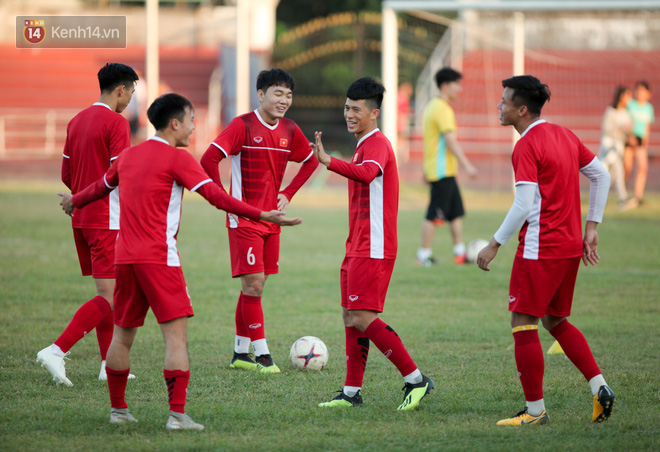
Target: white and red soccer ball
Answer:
pixel 309 352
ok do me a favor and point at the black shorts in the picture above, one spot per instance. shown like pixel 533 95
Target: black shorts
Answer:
pixel 446 203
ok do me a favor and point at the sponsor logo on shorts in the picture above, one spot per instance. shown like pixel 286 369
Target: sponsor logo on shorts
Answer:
pixel 258 139
pixel 254 326
pixel 353 297
pixel 512 298
pixel 388 353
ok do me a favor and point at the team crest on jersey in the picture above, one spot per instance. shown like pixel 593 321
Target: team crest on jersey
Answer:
pixel 258 139
pixel 284 142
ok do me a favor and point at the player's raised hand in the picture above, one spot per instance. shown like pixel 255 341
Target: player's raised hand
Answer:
pixel 277 217
pixel 67 203
pixel 319 151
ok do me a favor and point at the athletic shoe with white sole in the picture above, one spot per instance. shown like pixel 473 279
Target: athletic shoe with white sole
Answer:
pixel 103 375
pixel 524 418
pixel 603 404
pixel 343 401
pixel 414 393
pixel 243 361
pixel 121 416
pixel 181 421
pixel 55 365
pixel 265 365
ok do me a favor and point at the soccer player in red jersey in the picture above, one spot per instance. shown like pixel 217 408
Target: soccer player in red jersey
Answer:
pixel 373 205
pixel 259 145
pixel 547 162
pixel 95 138
pixel 151 177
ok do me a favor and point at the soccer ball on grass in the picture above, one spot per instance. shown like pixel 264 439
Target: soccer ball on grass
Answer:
pixel 309 352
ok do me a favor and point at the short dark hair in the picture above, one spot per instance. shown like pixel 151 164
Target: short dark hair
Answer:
pixel 275 77
pixel 368 89
pixel 447 75
pixel 643 83
pixel 166 107
pixel 113 75
pixel 529 91
pixel 618 92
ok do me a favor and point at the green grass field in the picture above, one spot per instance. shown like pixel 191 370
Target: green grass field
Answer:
pixel 453 320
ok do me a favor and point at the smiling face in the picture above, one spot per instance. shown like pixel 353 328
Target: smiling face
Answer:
pixel 184 128
pixel 274 102
pixel 360 117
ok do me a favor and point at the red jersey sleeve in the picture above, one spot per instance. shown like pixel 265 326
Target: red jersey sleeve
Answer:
pixel 190 174
pixel 229 142
pixel 586 156
pixel 365 172
pixel 525 165
pixel 97 190
pixel 300 150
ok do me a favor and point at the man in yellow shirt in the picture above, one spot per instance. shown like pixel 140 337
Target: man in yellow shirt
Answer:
pixel 442 154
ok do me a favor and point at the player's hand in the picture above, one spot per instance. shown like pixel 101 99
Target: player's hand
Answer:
pixel 319 151
pixel 487 254
pixel 234 216
pixel 471 170
pixel 282 202
pixel 277 217
pixel 589 244
pixel 67 203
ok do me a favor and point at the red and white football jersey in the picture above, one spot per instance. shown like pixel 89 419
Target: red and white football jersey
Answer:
pixel 94 138
pixel 373 202
pixel 550 157
pixel 259 153
pixel 151 178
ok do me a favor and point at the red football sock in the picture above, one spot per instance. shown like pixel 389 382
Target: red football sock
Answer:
pixel 241 326
pixel 85 320
pixel 529 360
pixel 253 317
pixel 117 385
pixel 357 351
pixel 104 333
pixel 389 343
pixel 177 388
pixel 577 349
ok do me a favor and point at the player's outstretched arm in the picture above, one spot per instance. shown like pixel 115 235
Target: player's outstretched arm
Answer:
pixel 277 217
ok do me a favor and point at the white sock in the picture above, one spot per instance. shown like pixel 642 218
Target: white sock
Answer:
pixel 350 391
pixel 424 253
pixel 260 347
pixel 241 344
pixel 414 377
pixel 595 383
pixel 57 351
pixel 535 408
pixel 459 249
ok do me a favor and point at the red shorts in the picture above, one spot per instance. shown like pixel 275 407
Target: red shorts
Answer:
pixel 544 286
pixel 364 283
pixel 141 286
pixel 253 251
pixel 96 251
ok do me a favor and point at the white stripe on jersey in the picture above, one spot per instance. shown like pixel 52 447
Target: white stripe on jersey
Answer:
pixel 531 250
pixel 376 221
pixel 219 147
pixel 173 218
pixel 236 184
pixel 113 209
pixel 196 187
pixel 267 148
